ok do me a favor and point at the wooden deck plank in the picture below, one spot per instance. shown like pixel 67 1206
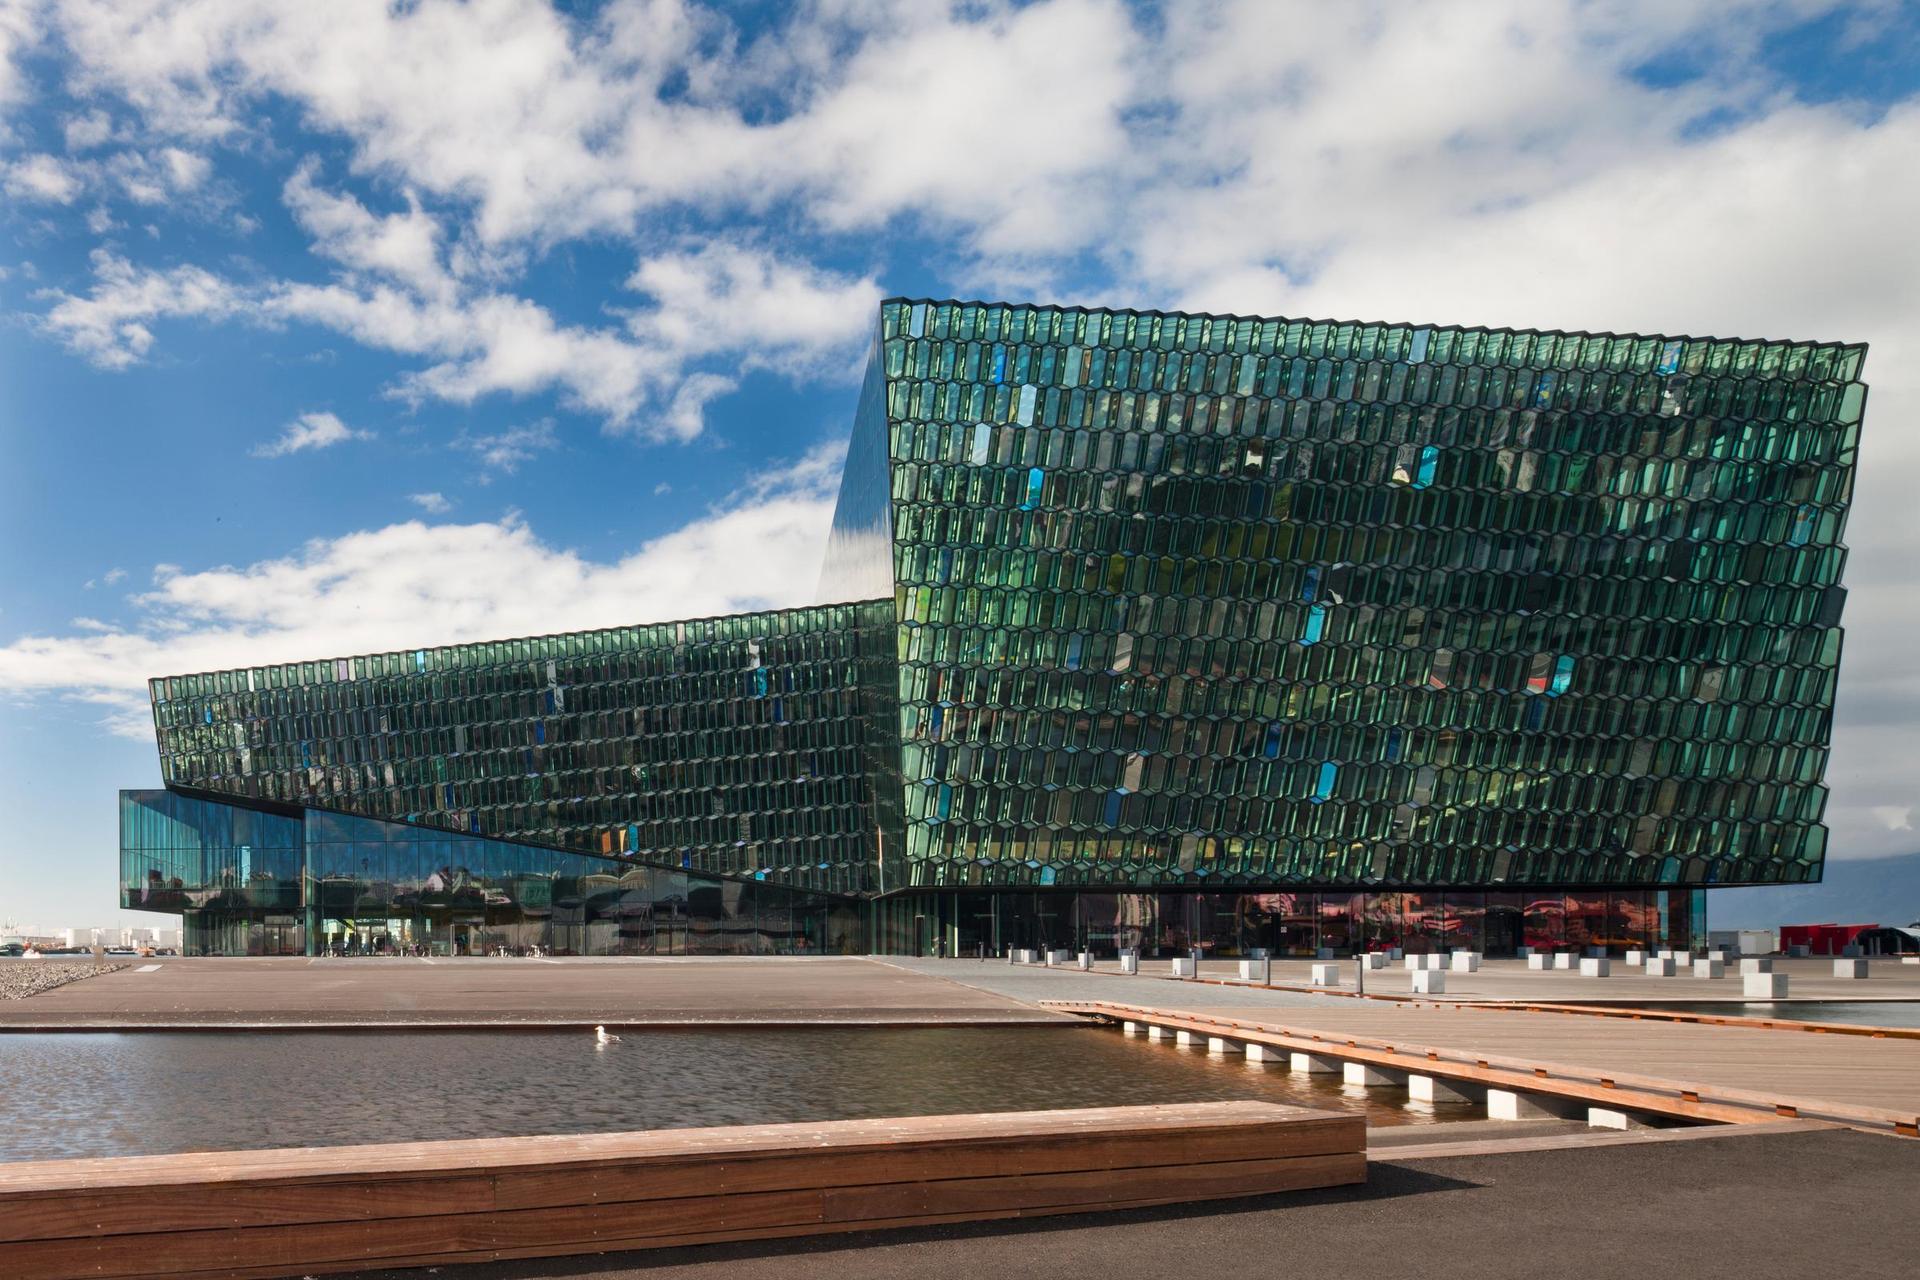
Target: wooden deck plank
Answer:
pixel 194 1205
pixel 739 1216
pixel 402 1159
pixel 1875 1082
pixel 311 1211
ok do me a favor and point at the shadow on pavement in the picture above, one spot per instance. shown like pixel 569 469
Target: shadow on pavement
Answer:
pixel 1384 1182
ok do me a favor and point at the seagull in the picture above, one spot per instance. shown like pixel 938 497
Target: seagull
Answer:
pixel 600 1037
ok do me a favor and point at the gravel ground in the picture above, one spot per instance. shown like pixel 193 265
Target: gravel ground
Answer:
pixel 23 978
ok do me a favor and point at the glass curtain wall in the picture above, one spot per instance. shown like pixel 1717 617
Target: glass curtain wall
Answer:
pixel 250 883
pixel 1191 599
pixel 1293 924
pixel 740 745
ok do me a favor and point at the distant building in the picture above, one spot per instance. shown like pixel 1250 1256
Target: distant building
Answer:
pixel 1167 631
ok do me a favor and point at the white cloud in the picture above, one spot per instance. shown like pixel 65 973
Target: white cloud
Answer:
pixel 310 431
pixel 413 584
pixel 87 130
pixel 185 170
pixel 730 298
pixel 109 324
pixel 993 119
pixel 43 178
pixel 112 576
pixel 506 450
pixel 717 301
pixel 553 127
pixel 402 246
pixel 19 31
pixel 1896 817
pixel 433 504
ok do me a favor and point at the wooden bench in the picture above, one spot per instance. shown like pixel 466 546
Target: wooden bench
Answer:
pixel 330 1209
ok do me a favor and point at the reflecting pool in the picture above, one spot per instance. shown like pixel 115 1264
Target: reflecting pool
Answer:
pixel 142 1093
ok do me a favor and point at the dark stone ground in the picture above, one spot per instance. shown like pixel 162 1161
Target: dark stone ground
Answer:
pixel 1800 1205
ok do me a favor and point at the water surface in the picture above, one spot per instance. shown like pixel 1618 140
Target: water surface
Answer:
pixel 97 1094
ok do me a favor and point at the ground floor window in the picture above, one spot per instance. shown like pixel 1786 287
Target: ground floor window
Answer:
pixel 1285 923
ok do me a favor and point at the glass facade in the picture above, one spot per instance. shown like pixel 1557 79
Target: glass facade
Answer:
pixel 1167 627
pixel 1209 600
pixel 1297 924
pixel 253 883
pixel 730 745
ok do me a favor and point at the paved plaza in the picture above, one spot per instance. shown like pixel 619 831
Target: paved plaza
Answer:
pixel 513 992
pixel 1506 979
pixel 1749 1207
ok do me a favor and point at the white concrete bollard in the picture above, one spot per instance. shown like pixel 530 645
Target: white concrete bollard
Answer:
pixel 1764 986
pixel 1375 960
pixel 1186 1039
pixel 1537 960
pixel 1326 975
pixel 1756 964
pixel 1318 1064
pixel 1324 953
pixel 1159 1033
pixel 1851 967
pixel 1636 958
pixel 1265 1053
pixel 1595 967
pixel 1086 960
pixel 1709 968
pixel 1371 1076
pixel 1660 967
pixel 1133 1028
pixel 1415 963
pixel 1256 971
pixel 1465 962
pixel 1910 959
pixel 1129 962
pixel 1430 982
pixel 1507 1104
pixel 1611 1118
pixel 1799 951
pixel 1718 953
pixel 1183 967
pixel 1433 1089
pixel 1563 960
pixel 1219 1046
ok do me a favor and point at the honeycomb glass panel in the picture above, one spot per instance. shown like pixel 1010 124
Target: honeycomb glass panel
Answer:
pixel 1429 606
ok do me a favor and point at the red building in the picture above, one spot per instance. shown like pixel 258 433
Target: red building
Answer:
pixel 1821 939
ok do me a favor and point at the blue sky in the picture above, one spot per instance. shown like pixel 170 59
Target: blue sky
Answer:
pixel 335 328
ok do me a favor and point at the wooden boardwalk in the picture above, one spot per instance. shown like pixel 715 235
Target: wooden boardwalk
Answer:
pixel 1862 1081
pixel 331 1209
